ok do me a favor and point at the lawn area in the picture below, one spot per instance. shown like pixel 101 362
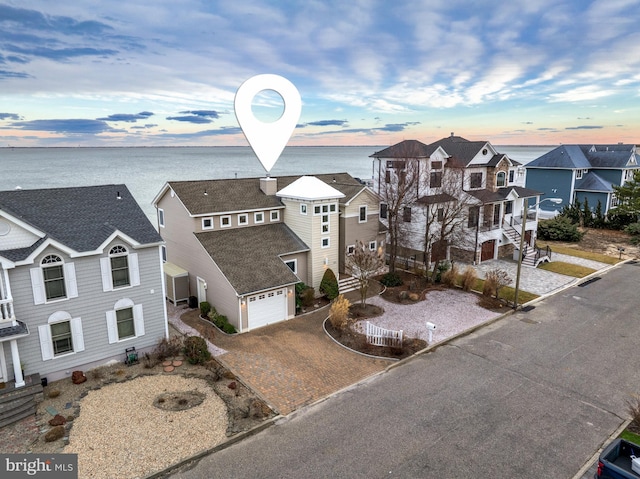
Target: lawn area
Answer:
pixel 629 436
pixel 567 269
pixel 508 293
pixel 556 248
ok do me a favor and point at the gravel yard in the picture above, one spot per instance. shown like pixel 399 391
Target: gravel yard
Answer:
pixel 452 312
pixel 137 438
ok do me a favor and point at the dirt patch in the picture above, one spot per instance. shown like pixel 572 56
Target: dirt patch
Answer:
pixel 178 401
pixel 604 242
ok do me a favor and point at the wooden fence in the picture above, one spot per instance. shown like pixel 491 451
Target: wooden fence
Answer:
pixel 383 337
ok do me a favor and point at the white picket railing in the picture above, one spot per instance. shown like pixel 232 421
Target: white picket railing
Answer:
pixel 383 337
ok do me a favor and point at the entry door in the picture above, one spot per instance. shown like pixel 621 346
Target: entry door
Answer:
pixel 202 290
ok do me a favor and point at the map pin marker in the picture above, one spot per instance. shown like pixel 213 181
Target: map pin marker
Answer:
pixel 268 139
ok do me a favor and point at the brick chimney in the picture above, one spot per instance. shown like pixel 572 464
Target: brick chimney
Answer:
pixel 269 186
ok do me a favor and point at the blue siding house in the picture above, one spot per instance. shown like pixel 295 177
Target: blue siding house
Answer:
pixel 577 173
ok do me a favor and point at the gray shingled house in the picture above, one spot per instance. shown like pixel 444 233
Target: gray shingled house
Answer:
pixel 246 242
pixel 80 280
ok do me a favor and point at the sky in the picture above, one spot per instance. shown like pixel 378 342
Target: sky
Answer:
pixel 165 73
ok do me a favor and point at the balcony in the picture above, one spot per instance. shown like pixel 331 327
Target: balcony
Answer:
pixel 6 311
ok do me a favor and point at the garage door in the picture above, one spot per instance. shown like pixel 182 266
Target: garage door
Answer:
pixel 267 308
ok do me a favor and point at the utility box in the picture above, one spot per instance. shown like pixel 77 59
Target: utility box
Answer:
pixel 176 282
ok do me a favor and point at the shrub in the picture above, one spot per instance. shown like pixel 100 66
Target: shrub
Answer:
pixel 489 287
pixel 339 313
pixel 633 406
pixel 205 307
pixel 469 278
pixel 329 284
pixel 307 296
pixel 633 229
pixel 450 276
pixel 498 279
pixel 441 268
pixel 228 328
pixel 558 229
pixel 168 348
pixel 391 279
pixel 195 350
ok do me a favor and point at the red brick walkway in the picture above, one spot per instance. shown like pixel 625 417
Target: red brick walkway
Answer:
pixel 17 438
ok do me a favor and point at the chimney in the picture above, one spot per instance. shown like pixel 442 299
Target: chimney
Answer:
pixel 269 186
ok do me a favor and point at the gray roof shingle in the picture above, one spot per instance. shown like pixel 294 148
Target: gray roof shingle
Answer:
pixel 584 157
pixel 592 182
pixel 250 257
pixel 81 218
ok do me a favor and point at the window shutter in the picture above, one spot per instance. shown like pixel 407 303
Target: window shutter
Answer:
pixel 76 334
pixel 138 320
pixel 37 286
pixel 112 327
pixel 134 271
pixel 45 342
pixel 70 280
pixel 105 269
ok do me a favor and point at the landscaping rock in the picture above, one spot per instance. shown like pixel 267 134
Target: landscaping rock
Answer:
pixel 54 434
pixel 57 420
pixel 414 296
pixel 78 377
pixel 232 385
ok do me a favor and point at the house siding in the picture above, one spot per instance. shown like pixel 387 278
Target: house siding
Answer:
pixel 91 306
pixel 547 181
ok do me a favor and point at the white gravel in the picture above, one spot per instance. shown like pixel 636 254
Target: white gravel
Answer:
pixel 451 311
pixel 136 438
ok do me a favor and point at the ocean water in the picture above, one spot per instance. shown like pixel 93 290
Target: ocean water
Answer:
pixel 146 170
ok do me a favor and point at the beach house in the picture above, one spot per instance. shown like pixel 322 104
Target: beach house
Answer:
pixel 80 281
pixel 243 244
pixel 579 173
pixel 452 199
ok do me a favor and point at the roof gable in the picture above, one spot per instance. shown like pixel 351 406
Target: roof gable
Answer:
pixel 405 149
pixel 309 188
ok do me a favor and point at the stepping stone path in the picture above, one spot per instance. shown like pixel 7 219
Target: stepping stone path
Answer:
pixel 169 365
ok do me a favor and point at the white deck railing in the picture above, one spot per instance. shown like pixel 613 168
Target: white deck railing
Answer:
pixel 383 337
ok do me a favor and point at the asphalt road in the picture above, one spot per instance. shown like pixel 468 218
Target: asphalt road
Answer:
pixel 533 395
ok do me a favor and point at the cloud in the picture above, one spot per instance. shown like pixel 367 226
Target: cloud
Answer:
pixel 131 118
pixel 9 74
pixel 327 123
pixel 64 126
pixel 190 119
pixel 389 127
pixel 32 19
pixel 225 130
pixel 584 127
pixel 10 116
pixel 202 113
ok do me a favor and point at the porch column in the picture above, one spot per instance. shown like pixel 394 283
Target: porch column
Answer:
pixel 17 369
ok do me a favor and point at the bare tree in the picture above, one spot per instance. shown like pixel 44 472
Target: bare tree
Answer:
pixel 364 263
pixel 398 188
pixel 445 212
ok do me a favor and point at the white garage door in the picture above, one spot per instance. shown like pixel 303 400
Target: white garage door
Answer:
pixel 267 308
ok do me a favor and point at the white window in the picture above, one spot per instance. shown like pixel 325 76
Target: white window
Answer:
pixel 54 280
pixel 303 209
pixel 243 219
pixel 501 179
pixel 62 335
pixel 578 174
pixel 293 265
pixel 120 269
pixel 325 208
pixel 163 253
pixel 350 249
pixel 316 210
pixel 207 223
pixel 332 207
pixel 511 176
pixel 275 215
pixel 372 245
pixel 258 217
pixel 325 223
pixel 362 216
pixel 161 217
pixel 325 242
pixel 125 321
pixel 225 221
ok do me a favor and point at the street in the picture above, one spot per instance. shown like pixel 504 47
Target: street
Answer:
pixel 533 395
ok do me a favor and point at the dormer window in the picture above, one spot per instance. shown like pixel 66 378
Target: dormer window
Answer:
pixel 484 152
pixel 578 174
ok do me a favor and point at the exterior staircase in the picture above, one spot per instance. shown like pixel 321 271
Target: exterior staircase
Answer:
pixel 18 403
pixel 348 283
pixel 531 257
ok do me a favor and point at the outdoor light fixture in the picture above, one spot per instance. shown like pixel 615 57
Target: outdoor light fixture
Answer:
pixel 557 201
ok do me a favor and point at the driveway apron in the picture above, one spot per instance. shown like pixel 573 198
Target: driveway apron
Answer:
pixel 294 363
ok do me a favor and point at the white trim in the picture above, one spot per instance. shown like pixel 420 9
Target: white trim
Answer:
pixel 105 271
pixel 255 217
pixel 134 269
pixel 70 282
pixel 241 217
pixel 295 265
pixel 375 245
pixel 227 217
pixel 328 245
pixel 46 348
pixel 366 213
pixel 46 340
pixel 161 218
pixel 37 286
pixel 210 220
pixel 277 215
pixel 303 208
pixel 351 249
